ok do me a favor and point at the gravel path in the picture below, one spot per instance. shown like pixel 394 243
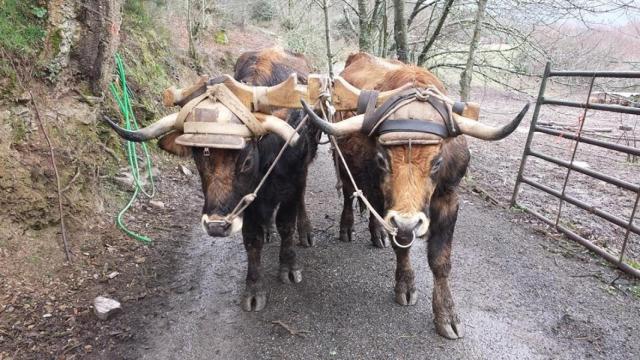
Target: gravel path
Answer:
pixel 519 294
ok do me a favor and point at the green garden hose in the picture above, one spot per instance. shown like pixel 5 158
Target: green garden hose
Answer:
pixel 121 93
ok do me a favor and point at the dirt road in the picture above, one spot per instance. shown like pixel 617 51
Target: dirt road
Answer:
pixel 519 294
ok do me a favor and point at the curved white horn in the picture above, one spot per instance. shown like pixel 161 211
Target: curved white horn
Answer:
pixel 274 124
pixel 155 130
pixel 485 132
pixel 344 127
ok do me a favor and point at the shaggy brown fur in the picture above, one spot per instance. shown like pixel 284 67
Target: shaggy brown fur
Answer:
pixel 403 179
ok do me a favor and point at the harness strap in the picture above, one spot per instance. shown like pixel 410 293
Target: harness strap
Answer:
pixel 373 118
pixel 367 101
pixel 409 125
pixel 251 197
pixel 445 112
pixel 376 118
pixel 223 95
pixel 188 109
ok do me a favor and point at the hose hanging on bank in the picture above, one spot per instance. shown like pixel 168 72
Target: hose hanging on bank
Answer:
pixel 121 93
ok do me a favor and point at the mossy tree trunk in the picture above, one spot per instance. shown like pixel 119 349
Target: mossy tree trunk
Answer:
pixel 83 38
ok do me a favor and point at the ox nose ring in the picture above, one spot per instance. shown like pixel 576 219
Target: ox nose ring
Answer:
pixel 396 243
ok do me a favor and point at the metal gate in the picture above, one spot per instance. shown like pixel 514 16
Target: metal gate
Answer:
pixel 577 138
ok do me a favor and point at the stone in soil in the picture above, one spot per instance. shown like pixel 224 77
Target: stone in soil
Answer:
pixel 105 307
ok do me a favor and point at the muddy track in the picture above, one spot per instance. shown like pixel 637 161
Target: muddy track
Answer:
pixel 519 294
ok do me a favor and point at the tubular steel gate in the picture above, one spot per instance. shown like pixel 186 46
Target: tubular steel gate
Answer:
pixel 578 138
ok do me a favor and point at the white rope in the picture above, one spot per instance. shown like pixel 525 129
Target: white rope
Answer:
pixel 390 229
pixel 249 198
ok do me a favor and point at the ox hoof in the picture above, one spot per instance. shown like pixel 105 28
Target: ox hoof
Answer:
pixel 288 276
pixel 379 237
pixel 451 329
pixel 306 239
pixel 346 235
pixel 254 301
pixel 380 240
pixel 407 298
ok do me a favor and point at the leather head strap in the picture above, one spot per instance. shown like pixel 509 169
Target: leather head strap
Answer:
pixel 367 101
pixel 373 119
pixel 411 125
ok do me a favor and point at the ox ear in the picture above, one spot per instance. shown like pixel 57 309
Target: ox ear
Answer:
pixel 168 144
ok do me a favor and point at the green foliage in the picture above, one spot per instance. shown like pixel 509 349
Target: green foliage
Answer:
pixel 22 26
pixel 220 37
pixel 263 10
pixel 8 78
pixel 39 12
pixel 635 290
pixel 135 13
pixel 146 53
pixel 307 39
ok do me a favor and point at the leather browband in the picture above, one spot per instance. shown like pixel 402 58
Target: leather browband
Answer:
pixel 410 125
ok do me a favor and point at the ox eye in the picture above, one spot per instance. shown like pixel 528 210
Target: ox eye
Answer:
pixel 436 165
pixel 246 164
pixel 382 162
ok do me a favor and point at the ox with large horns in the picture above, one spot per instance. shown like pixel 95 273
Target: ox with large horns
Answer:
pixel 229 173
pixel 409 162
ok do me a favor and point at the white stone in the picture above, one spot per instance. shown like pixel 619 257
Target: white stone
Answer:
pixel 105 307
pixel 185 170
pixel 157 204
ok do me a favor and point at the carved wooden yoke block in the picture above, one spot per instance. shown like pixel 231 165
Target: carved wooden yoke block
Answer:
pixel 289 93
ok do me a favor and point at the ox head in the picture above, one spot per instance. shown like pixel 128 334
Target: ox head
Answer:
pixel 414 164
pixel 228 170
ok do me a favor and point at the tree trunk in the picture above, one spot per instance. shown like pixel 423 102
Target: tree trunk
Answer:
pixel 192 46
pixel 445 12
pixel 364 38
pixel 385 32
pixel 400 30
pixel 83 39
pixel 327 34
pixel 467 73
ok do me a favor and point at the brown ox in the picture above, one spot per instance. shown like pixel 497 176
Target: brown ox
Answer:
pixel 414 187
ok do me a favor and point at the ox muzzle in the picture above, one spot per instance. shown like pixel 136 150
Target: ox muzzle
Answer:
pixel 218 226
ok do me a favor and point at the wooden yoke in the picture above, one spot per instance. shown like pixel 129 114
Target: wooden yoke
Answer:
pixel 288 94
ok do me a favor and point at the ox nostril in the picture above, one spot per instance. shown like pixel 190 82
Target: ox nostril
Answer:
pixel 406 223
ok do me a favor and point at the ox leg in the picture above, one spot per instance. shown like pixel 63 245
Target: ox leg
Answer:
pixel 305 235
pixel 255 296
pixel 269 228
pixel 290 272
pixel 405 288
pixel 346 219
pixel 379 237
pixel 444 213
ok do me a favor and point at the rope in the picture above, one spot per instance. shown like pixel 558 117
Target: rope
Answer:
pixel 391 230
pixel 121 93
pixel 249 198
